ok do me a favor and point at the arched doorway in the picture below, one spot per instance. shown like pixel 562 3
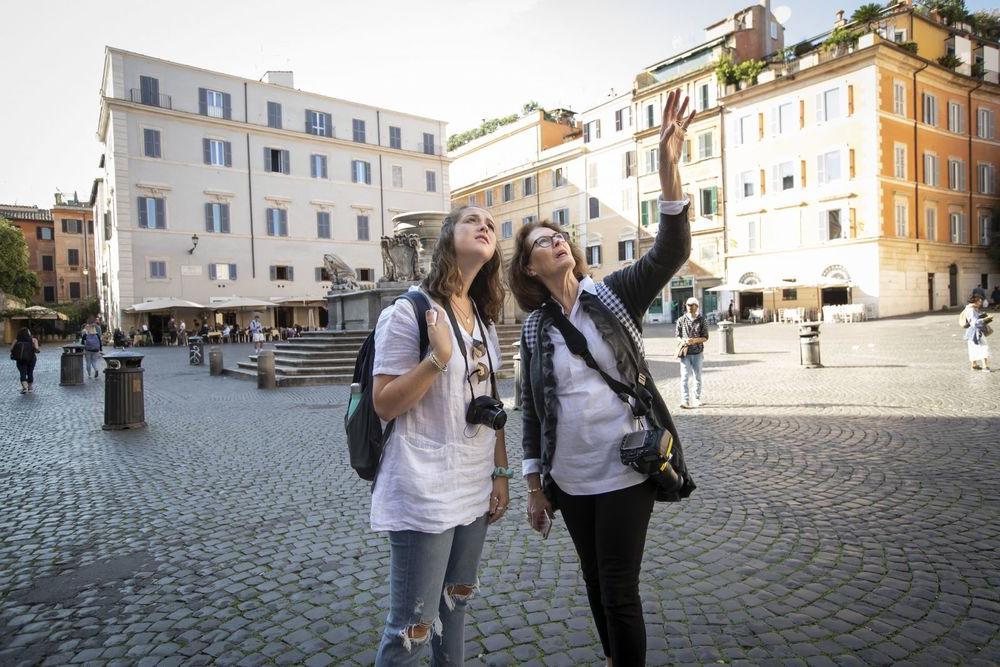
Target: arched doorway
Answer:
pixel 953 285
pixel 750 300
pixel 836 296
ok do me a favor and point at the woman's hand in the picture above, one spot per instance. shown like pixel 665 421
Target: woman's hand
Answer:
pixel 673 127
pixel 439 333
pixel 499 500
pixel 538 507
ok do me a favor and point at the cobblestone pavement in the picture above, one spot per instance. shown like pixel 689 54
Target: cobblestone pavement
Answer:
pixel 844 515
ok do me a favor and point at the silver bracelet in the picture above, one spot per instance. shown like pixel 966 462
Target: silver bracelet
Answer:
pixel 437 363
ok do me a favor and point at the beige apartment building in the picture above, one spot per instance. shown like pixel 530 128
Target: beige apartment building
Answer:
pixel 214 185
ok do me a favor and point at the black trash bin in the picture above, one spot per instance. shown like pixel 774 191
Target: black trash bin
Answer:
pixel 196 350
pixel 124 401
pixel 71 365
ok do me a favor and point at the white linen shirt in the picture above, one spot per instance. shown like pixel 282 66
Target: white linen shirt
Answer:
pixel 436 471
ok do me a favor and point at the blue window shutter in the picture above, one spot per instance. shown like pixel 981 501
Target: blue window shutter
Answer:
pixel 323 163
pixel 227 106
pixel 206 151
pixel 354 171
pixel 368 173
pixel 319 274
pixel 203 101
pixel 269 217
pixel 267 159
pixel 329 124
pixel 232 272
pixel 224 212
pixel 161 214
pixel 211 271
pixel 209 218
pixel 309 125
pixel 291 273
pixel 143 219
pixel 284 222
pixel 229 153
pixel 274 272
pixel 156 143
pixel 286 168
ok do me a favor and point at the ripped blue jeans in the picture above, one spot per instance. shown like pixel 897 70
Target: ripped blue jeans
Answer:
pixel 431 578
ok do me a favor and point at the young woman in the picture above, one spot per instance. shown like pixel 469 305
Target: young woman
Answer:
pixel 574 422
pixel 24 351
pixel 442 480
pixel 93 348
pixel 975 321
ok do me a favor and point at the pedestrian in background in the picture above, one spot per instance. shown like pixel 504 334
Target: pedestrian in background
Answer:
pixel 24 352
pixel 257 333
pixel 976 323
pixel 172 331
pixel 182 336
pixel 93 347
pixel 692 334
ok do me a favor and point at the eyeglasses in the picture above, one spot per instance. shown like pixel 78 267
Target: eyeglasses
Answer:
pixel 548 241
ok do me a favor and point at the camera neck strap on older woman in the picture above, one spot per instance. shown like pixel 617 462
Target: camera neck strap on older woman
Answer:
pixel 576 342
pixel 460 337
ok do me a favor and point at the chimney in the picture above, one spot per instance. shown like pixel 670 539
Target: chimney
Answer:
pixel 59 199
pixel 841 21
pixel 279 78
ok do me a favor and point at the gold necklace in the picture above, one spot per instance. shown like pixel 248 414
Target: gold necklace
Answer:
pixel 465 315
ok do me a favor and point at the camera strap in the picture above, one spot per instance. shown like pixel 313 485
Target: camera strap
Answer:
pixel 577 344
pixel 460 337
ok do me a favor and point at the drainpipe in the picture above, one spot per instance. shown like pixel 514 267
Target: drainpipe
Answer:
pixel 725 190
pixel 246 116
pixel 916 158
pixel 971 216
pixel 381 176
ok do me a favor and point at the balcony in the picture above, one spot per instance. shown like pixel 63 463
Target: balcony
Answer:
pixel 150 99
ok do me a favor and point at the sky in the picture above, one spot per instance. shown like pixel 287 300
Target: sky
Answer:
pixel 460 61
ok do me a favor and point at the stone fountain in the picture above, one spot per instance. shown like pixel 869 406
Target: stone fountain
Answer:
pixel 406 259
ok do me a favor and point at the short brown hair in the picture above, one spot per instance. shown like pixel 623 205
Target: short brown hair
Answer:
pixel 529 292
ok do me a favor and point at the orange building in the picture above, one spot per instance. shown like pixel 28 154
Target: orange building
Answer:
pixel 73 222
pixel 36 225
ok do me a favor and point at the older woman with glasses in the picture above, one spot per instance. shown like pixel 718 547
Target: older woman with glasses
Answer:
pixel 573 421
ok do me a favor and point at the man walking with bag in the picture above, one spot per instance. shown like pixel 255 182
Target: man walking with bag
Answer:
pixel 692 334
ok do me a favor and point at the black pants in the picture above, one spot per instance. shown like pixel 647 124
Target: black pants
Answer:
pixel 27 371
pixel 609 532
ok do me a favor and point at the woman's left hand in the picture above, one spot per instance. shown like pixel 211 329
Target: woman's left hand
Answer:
pixel 499 500
pixel 673 127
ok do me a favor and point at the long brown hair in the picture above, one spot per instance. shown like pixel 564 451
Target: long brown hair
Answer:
pixel 445 278
pixel 529 291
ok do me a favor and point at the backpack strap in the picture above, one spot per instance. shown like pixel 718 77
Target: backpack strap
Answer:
pixel 421 304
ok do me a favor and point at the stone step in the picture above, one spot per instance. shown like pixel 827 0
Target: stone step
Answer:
pixel 290 381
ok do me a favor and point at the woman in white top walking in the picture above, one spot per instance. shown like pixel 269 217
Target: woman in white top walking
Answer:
pixel 443 475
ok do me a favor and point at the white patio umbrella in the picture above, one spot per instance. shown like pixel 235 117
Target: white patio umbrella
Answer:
pixel 168 303
pixel 240 303
pixel 40 313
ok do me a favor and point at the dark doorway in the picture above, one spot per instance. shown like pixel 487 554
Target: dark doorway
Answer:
pixel 835 296
pixel 324 318
pixel 284 317
pixel 679 296
pixel 930 291
pixel 953 285
pixel 750 301
pixel 157 325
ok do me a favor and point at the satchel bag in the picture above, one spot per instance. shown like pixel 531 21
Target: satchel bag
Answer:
pixel 682 349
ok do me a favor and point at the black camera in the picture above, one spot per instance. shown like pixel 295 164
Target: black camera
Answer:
pixel 487 411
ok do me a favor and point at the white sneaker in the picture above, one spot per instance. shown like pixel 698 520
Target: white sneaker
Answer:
pixel 696 403
pixel 684 405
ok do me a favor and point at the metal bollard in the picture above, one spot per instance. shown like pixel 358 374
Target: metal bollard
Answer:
pixel 196 350
pixel 71 366
pixel 517 374
pixel 809 345
pixel 215 360
pixel 265 370
pixel 124 399
pixel 726 338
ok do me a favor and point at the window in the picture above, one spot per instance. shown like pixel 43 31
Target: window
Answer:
pixel 431 178
pixel 709 199
pixel 48 263
pixel 277 222
pixel 828 105
pixel 49 293
pixel 987 179
pixel 648 210
pixel 273 114
pixel 899 161
pixel 623 118
pixel 317 166
pixel 594 207
pixel 592 175
pixel 217 271
pixel 395 137
pixel 73 257
pixel 44 233
pixel 277 161
pixel 366 275
pixel 214 103
pixel 217 218
pixel 217 153
pixel 746 185
pixel 489 197
pixel 507 229
pixel 828 167
pixel 704 100
pixel 789 294
pixel 686 151
pixel 783 176
pixel 930 108
pixel 708 253
pixel 150 142
pixel 363 228
pixel 955 115
pixel 361 172
pixel 704 145
pixel 558 177
pixel 158 270
pixel 322 275
pixel 651 119
pixel 560 216
pixel 752 236
pixel 594 255
pixel 956 175
pixel 149 91
pixel 428 143
pixel 985 224
pixel 831 225
pixel 473 200
pixel 318 123
pixel 959 233
pixel 152 213
pixel 899 98
pixel 322 224
pixel 528 186
pixel 930 223
pixel 985 124
pixel 72 226
pixel 528 219
pixel 626 250
pixel 628 164
pixel 901 217
pixel 744 130
pixel 508 192
pixel 783 119
pixel 282 272
pixel 591 130
pixel 397 176
pixel 652 160
pixel 930 169
pixel 358 128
